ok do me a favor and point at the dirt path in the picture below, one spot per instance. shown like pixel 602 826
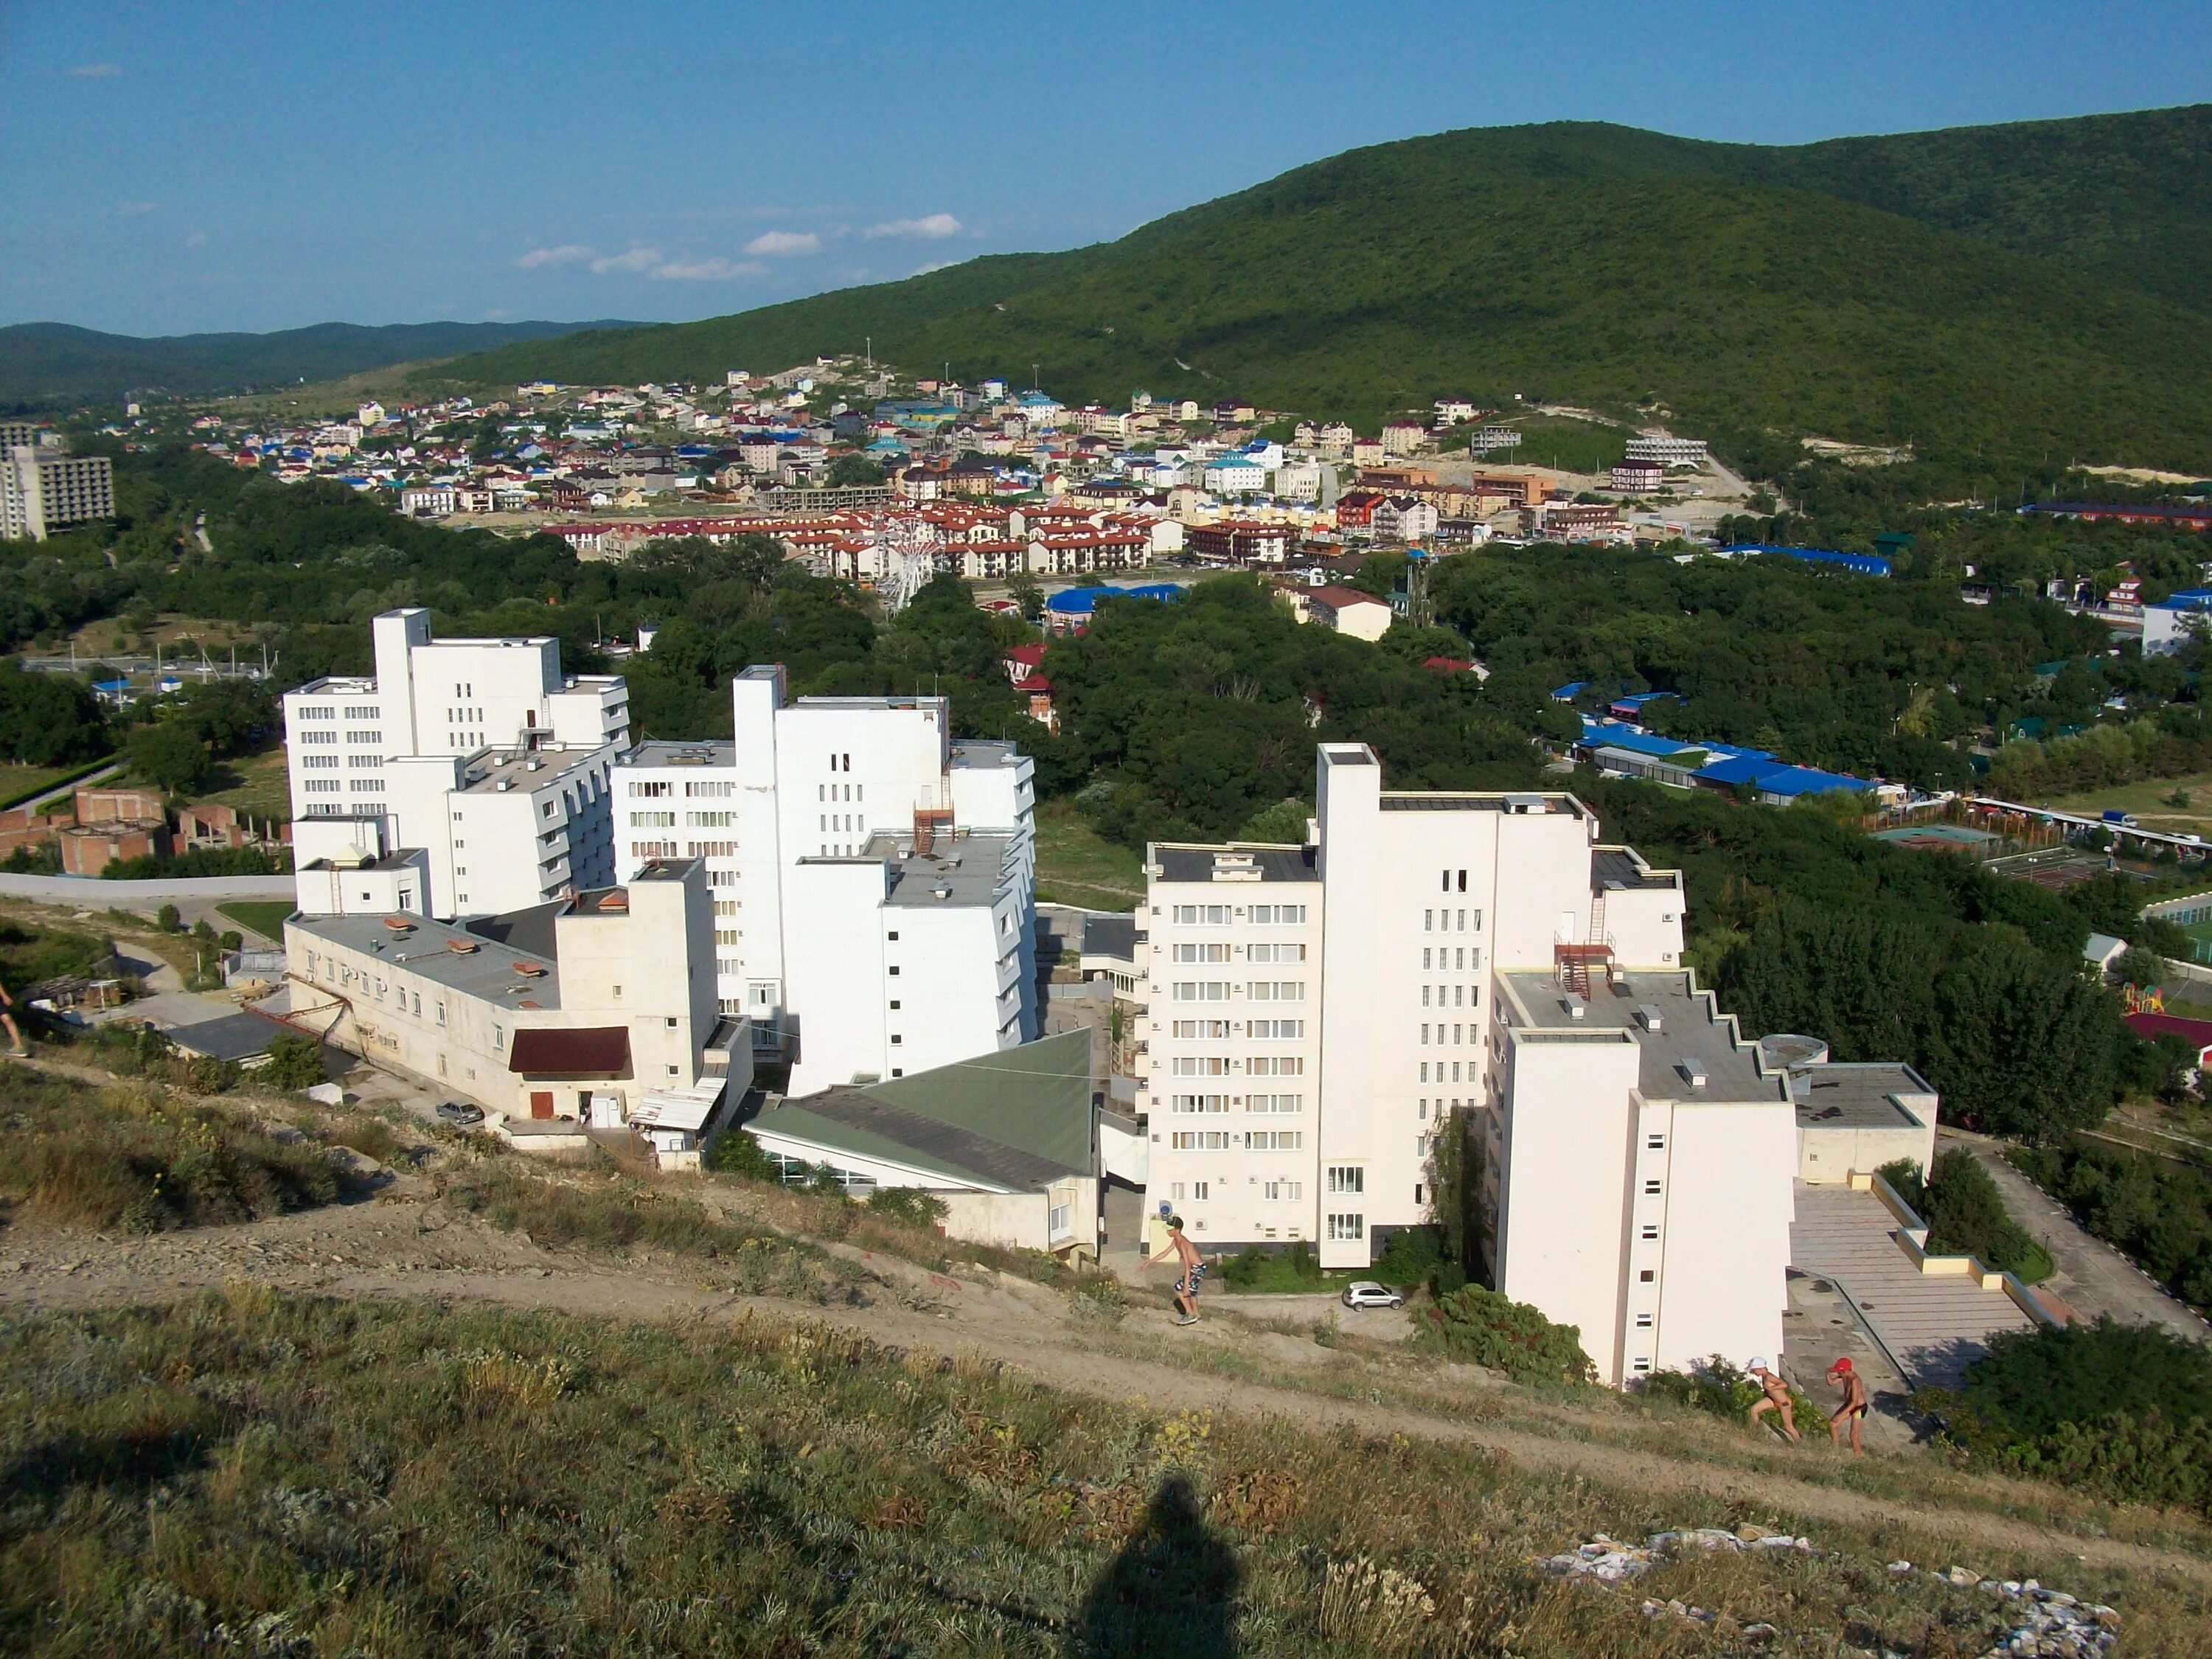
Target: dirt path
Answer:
pixel 401 1243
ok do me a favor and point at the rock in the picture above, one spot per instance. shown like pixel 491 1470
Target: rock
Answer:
pixel 1900 1566
pixel 1760 1632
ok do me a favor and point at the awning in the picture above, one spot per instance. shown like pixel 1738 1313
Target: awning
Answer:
pixel 581 1051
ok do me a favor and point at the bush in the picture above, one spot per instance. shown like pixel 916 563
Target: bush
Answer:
pixel 1966 1214
pixel 908 1204
pixel 2125 1411
pixel 1482 1328
pixel 1719 1387
pixel 1303 1262
pixel 293 1062
pixel 1098 1298
pixel 2159 1211
pixel 1241 1271
pixel 167 919
pixel 1412 1256
pixel 735 1153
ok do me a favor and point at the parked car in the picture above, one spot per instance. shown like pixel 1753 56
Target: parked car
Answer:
pixel 1366 1293
pixel 460 1113
pixel 2125 820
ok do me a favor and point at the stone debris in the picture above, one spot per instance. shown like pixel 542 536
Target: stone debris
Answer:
pixel 2045 1623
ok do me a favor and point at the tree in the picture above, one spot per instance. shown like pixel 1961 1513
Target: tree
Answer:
pixel 167 919
pixel 1028 598
pixel 855 470
pixel 170 755
pixel 48 720
pixel 293 1062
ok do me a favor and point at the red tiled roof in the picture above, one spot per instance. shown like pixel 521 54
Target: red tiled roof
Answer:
pixel 591 1050
pixel 1337 597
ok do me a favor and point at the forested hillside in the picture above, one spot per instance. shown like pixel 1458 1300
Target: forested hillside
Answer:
pixel 48 365
pixel 1892 290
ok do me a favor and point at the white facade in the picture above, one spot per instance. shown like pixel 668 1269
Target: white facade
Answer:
pixel 44 489
pixel 1667 451
pixel 829 826
pixel 479 752
pixel 1316 1013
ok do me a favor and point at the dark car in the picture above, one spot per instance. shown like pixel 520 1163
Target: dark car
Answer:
pixel 460 1113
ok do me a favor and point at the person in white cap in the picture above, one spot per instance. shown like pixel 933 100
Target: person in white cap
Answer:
pixel 1774 1397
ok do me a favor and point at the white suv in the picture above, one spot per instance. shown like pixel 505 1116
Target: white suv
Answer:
pixel 1366 1293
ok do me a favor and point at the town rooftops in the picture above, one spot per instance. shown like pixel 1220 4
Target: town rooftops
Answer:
pixel 1237 861
pixel 1690 1052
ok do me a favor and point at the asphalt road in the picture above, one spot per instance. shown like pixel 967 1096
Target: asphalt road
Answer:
pixel 2093 1278
pixel 89 892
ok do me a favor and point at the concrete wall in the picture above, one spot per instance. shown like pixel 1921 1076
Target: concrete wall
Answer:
pixel 1726 1231
pixel 1832 1156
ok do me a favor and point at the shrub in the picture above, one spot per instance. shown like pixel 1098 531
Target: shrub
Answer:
pixel 735 1153
pixel 908 1204
pixel 1965 1214
pixel 1241 1271
pixel 1098 1299
pixel 1719 1387
pixel 167 919
pixel 1483 1328
pixel 1303 1263
pixel 2159 1211
pixel 294 1062
pixel 1411 1256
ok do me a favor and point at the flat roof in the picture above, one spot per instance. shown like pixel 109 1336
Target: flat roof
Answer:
pixel 528 771
pixel 983 753
pixel 969 870
pixel 1616 864
pixel 1858 1096
pixel 1483 802
pixel 486 969
pixel 1197 863
pixel 1687 1032
pixel 661 751
pixel 1110 936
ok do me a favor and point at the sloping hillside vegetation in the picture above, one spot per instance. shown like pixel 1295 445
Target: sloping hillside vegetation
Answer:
pixel 1877 292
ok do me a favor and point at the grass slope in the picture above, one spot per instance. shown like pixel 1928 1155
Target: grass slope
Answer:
pixel 1872 289
pixel 43 364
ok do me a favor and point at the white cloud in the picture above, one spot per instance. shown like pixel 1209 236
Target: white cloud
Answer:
pixel 567 255
pixel 95 71
pixel 934 228
pixel 637 259
pixel 716 269
pixel 936 265
pixel 133 209
pixel 784 243
pixel 197 239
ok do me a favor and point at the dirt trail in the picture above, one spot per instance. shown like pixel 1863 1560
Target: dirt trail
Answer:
pixel 402 1243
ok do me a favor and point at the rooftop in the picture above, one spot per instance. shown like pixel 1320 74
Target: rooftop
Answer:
pixel 1687 1033
pixel 1617 866
pixel 970 869
pixel 499 772
pixel 472 964
pixel 1408 801
pixel 658 751
pixel 1110 936
pixel 1237 861
pixel 1863 1096
pixel 981 754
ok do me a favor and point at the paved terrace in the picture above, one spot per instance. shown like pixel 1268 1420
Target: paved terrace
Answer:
pixel 1933 1325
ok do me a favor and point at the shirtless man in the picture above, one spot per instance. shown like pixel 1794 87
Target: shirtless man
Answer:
pixel 1186 1289
pixel 16 1047
pixel 1845 1376
pixel 1775 1397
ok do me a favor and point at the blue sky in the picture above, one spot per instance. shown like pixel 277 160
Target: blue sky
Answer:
pixel 246 166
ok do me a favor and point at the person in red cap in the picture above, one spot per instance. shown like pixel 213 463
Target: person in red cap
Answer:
pixel 1846 1377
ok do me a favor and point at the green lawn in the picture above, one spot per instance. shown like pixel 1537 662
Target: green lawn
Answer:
pixel 20 784
pixel 258 786
pixel 262 916
pixel 1076 865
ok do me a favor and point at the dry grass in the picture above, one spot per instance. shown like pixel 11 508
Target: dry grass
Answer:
pixel 404 1479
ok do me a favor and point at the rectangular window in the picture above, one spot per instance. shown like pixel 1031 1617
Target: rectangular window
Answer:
pixel 1281 1031
pixel 1655 1143
pixel 1428 920
pixel 1275 1103
pixel 1199 1065
pixel 1275 953
pixel 1650 1189
pixel 1201 1028
pixel 1342 1228
pixel 1650 1232
pixel 1200 1141
pixel 1346 1178
pixel 1276 1065
pixel 1202 991
pixel 1643 1322
pixel 1202 953
pixel 1202 915
pixel 1278 915
pixel 1274 990
pixel 1198 1104
pixel 1273 1140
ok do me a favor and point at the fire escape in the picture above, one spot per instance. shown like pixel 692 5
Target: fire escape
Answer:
pixel 1572 961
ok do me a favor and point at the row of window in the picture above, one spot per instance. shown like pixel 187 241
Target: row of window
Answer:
pixel 1252 953
pixel 1220 1066
pixel 1455 996
pixel 330 737
pixel 1429 924
pixel 1460 1033
pixel 1219 916
pixel 1276 1030
pixel 1453 958
pixel 1227 1140
pixel 1277 1104
pixel 828 792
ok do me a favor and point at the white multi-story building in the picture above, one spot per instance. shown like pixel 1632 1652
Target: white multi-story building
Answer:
pixel 1318 1014
pixel 43 488
pixel 874 879
pixel 479 753
pixel 1667 451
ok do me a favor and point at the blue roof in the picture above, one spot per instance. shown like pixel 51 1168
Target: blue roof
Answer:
pixel 1637 700
pixel 1607 734
pixel 1866 564
pixel 1082 601
pixel 1808 781
pixel 1570 692
pixel 1736 768
pixel 2185 598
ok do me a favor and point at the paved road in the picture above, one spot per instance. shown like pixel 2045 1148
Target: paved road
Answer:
pixel 2094 1277
pixel 92 893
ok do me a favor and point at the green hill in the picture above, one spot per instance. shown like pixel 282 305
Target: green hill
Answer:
pixel 2023 292
pixel 43 365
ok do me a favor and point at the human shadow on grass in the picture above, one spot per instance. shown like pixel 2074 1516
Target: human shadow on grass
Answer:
pixel 1171 1590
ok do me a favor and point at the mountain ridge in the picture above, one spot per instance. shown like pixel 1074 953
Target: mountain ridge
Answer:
pixel 1883 288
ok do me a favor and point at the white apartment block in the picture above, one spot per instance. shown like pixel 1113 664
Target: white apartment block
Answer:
pixel 44 489
pixel 477 752
pixel 874 879
pixel 1316 1014
pixel 1667 451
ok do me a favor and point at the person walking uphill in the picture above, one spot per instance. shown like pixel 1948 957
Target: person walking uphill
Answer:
pixel 1186 1289
pixel 1846 1377
pixel 1775 1397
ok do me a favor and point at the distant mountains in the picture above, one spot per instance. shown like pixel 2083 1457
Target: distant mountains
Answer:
pixel 2037 291
pixel 44 365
